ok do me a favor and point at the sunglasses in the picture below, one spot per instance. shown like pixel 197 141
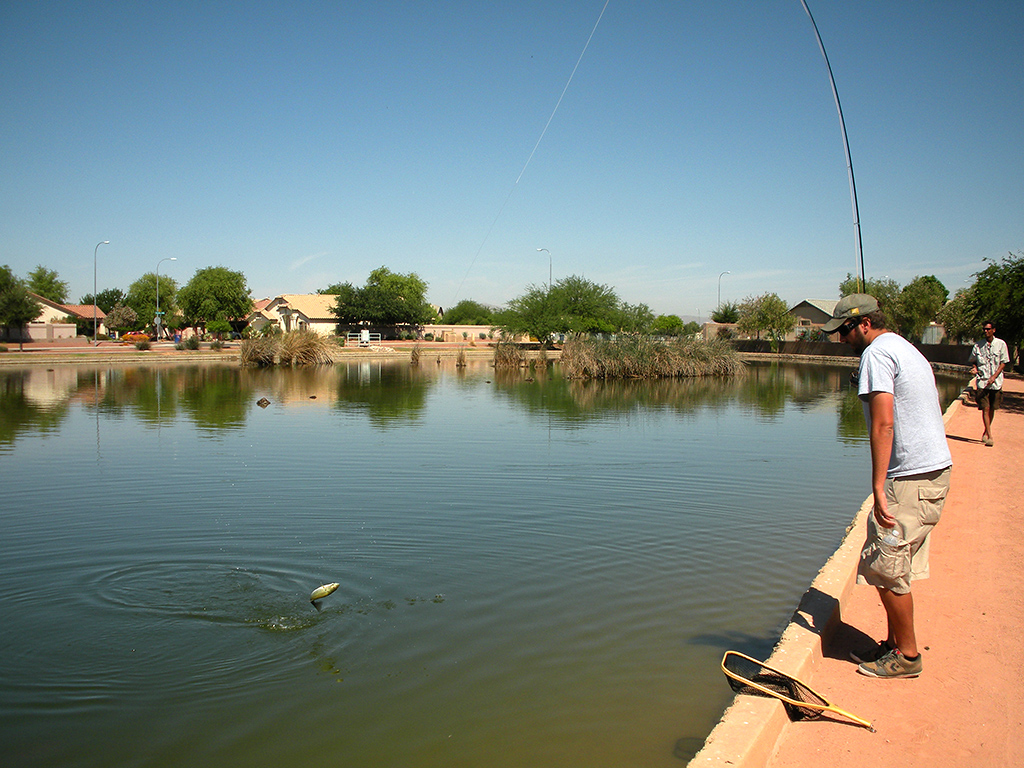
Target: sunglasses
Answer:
pixel 848 326
pixel 989 328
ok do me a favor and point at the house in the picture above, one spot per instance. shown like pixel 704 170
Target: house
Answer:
pixel 296 311
pixel 52 313
pixel 814 312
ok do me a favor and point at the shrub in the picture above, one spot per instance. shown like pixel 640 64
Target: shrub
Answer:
pixel 143 345
pixel 304 348
pixel 192 342
pixel 216 345
pixel 259 352
pixel 508 354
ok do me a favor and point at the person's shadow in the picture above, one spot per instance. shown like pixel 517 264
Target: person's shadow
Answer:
pixel 821 614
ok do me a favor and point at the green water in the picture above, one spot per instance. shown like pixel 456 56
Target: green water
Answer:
pixel 533 571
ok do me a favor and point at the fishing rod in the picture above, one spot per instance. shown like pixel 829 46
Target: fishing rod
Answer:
pixel 846 147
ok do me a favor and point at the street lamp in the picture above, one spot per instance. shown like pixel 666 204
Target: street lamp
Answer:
pixel 727 272
pixel 156 320
pixel 94 250
pixel 549 265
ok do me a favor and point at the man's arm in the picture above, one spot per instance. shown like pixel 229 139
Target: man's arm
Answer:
pixel 991 380
pixel 881 411
pixel 1004 358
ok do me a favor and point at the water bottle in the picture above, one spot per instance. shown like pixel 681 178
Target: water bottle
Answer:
pixel 891 536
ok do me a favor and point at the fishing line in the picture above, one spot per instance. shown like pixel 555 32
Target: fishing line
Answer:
pixel 846 147
pixel 535 146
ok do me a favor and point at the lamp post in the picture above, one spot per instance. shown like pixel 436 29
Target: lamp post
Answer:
pixel 95 341
pixel 727 272
pixel 156 320
pixel 549 265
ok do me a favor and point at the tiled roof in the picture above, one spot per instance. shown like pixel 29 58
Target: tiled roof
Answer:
pixel 84 311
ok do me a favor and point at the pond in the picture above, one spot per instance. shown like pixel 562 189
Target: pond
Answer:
pixel 533 571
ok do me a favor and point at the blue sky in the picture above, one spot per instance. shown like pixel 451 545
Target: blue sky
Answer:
pixel 310 143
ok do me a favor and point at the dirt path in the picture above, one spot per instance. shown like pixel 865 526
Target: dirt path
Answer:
pixel 967 709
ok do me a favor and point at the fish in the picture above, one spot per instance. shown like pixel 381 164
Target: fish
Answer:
pixel 323 591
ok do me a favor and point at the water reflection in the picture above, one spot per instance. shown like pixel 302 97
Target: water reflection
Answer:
pixel 31 403
pixel 219 397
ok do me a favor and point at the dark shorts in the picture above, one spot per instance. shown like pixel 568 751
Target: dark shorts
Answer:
pixel 989 398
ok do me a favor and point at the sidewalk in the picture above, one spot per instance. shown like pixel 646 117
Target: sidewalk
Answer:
pixel 966 709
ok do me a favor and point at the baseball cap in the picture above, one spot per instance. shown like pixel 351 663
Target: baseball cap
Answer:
pixel 854 305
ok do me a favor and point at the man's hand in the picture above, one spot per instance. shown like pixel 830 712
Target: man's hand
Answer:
pixel 881 512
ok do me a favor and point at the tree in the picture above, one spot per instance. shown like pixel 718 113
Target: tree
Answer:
pixel 728 312
pixel 17 308
pixel 213 293
pixel 142 297
pixel 768 313
pixel 572 305
pixel 107 299
pixel 667 325
pixel 635 318
pixel 122 318
pixel 468 312
pixel 885 290
pixel 586 306
pixel 919 303
pixel 957 316
pixel 388 298
pixel 532 314
pixel 47 283
pixel 998 295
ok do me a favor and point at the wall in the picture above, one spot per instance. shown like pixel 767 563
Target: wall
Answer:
pixel 947 354
pixel 41 332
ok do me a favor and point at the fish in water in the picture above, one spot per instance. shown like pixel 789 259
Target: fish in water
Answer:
pixel 321 592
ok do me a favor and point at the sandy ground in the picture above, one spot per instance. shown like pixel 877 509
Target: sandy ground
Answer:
pixel 967 709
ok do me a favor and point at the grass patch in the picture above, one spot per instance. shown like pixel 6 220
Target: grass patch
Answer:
pixel 645 357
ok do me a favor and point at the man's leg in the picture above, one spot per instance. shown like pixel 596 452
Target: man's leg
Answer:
pixel 899 613
pixel 985 404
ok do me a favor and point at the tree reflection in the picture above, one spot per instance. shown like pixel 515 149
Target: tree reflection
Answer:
pixel 21 412
pixel 390 395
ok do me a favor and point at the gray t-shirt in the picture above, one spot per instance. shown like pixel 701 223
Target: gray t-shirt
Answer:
pixel 892 364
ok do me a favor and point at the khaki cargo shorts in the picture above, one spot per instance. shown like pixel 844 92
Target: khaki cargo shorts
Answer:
pixel 916 502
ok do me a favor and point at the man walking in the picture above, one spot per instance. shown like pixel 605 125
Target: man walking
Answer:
pixel 910 468
pixel 989 357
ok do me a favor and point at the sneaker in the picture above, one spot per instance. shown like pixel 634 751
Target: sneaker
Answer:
pixel 874 654
pixel 893 664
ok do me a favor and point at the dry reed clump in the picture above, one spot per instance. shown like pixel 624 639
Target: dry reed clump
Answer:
pixel 414 356
pixel 298 348
pixel 508 354
pixel 645 357
pixel 258 353
pixel 460 358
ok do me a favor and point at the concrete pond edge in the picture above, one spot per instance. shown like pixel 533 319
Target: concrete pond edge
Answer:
pixel 750 727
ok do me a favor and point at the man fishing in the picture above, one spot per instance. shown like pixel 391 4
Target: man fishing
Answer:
pixel 910 469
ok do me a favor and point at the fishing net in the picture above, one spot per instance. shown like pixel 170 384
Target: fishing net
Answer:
pixel 747 675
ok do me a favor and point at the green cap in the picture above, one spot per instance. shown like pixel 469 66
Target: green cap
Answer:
pixel 854 305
